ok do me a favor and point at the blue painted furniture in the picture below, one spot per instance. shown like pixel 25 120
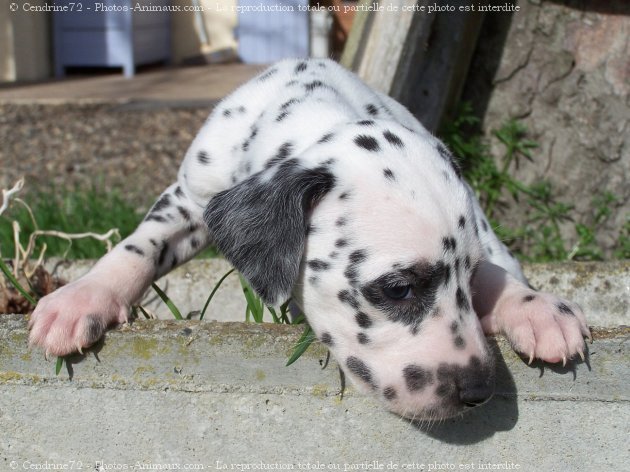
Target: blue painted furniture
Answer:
pixel 88 37
pixel 267 36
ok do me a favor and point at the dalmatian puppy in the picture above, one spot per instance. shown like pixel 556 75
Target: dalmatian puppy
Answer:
pixel 316 187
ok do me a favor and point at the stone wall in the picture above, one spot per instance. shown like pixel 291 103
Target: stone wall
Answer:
pixel 563 69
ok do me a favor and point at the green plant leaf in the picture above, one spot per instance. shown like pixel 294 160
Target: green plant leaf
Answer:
pixel 58 365
pixel 255 305
pixel 214 290
pixel 7 273
pixel 169 303
pixel 307 338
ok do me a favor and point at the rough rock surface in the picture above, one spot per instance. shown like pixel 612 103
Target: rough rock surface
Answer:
pixel 563 69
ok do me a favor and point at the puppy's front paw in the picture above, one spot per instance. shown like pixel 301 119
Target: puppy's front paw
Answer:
pixel 75 317
pixel 543 326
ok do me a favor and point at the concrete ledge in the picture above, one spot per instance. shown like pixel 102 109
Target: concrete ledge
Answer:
pixel 160 392
pixel 601 288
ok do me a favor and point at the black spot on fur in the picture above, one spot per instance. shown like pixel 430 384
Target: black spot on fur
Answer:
pixel 283 152
pixel 287 104
pixel 365 123
pixel 313 85
pixel 363 320
pixel 461 222
pixel 417 378
pixel 459 342
pixel 185 213
pixel 462 300
pixel 528 298
pixel 227 112
pixel 448 157
pixel 447 274
pixel 565 310
pixel 390 393
pixel 389 174
pixel 301 67
pixel 393 139
pixel 162 203
pixel 351 274
pixel 449 243
pixel 346 297
pixel 467 263
pixel 204 158
pixel 358 256
pixel 254 132
pixel 344 196
pixel 267 74
pixel 489 250
pixel 179 193
pixel 281 116
pixel 367 142
pixel 158 218
pixel 327 339
pixel 94 328
pixel 153 242
pixel 318 264
pixel 341 221
pixel 134 249
pixel 363 338
pixel 484 225
pixel 163 253
pixel 454 327
pixel 341 243
pixel 327 137
pixel 194 243
pixel 371 109
pixel 361 370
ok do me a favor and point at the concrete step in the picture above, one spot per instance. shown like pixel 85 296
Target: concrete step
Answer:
pixel 601 288
pixel 219 395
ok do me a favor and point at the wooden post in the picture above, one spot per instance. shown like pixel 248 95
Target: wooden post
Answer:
pixel 420 57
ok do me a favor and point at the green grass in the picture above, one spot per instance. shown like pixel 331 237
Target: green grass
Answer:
pixel 75 210
pixel 552 231
pixel 70 211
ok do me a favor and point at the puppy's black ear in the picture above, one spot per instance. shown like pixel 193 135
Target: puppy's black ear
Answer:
pixel 260 225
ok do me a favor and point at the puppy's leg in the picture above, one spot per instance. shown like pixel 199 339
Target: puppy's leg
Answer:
pixel 77 315
pixel 538 325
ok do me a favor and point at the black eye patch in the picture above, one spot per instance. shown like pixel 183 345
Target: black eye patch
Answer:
pixel 406 295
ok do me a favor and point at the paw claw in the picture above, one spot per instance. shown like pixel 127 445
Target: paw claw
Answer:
pixel 80 349
pixel 564 361
pixel 581 355
pixel 531 358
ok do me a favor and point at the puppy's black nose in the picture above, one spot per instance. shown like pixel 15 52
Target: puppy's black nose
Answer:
pixel 476 395
pixel 475 382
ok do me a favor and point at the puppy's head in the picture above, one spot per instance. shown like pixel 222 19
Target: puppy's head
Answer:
pixel 375 237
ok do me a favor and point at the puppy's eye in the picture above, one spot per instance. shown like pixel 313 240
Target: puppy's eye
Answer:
pixel 397 292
